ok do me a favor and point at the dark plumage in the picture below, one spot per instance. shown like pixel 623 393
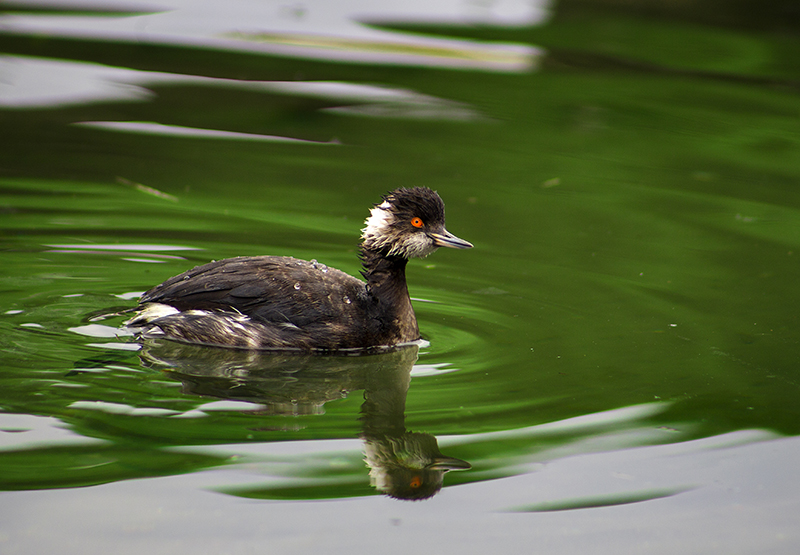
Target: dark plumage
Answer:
pixel 276 302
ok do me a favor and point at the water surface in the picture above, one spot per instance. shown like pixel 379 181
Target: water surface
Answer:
pixel 616 359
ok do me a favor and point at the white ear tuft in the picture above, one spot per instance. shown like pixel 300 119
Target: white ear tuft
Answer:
pixel 377 226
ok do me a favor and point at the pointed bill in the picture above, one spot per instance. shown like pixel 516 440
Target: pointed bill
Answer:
pixel 447 239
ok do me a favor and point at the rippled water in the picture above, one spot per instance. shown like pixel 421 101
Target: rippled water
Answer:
pixel 612 368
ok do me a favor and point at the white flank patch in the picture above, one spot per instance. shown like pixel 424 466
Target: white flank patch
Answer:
pixel 152 311
pixel 196 312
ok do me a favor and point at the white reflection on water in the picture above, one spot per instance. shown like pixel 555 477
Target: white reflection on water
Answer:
pixel 124 247
pixel 323 30
pixel 26 431
pixel 31 82
pixel 329 31
pixel 120 408
pixel 100 330
pixel 152 128
pixel 132 253
pixel 741 503
pixel 35 82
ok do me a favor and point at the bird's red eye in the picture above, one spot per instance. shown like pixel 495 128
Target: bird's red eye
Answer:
pixel 417 222
pixel 415 482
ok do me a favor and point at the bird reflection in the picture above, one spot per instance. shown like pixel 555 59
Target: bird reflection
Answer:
pixel 403 464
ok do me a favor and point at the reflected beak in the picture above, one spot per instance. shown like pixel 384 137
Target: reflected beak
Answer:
pixel 447 239
pixel 448 463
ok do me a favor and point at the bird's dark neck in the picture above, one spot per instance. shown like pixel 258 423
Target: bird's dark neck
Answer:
pixel 385 275
pixel 386 282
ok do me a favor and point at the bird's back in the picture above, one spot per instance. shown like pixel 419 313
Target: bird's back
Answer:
pixel 290 303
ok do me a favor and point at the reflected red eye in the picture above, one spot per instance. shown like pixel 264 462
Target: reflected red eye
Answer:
pixel 417 222
pixel 416 481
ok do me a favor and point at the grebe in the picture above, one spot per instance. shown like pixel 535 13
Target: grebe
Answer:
pixel 281 303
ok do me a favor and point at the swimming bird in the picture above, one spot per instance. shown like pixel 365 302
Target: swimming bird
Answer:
pixel 282 303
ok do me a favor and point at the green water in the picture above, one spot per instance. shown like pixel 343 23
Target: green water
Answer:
pixel 636 221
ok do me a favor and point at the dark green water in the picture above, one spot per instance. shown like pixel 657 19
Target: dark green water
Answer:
pixel 627 314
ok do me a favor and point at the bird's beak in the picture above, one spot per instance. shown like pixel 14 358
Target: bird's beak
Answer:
pixel 448 463
pixel 447 239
